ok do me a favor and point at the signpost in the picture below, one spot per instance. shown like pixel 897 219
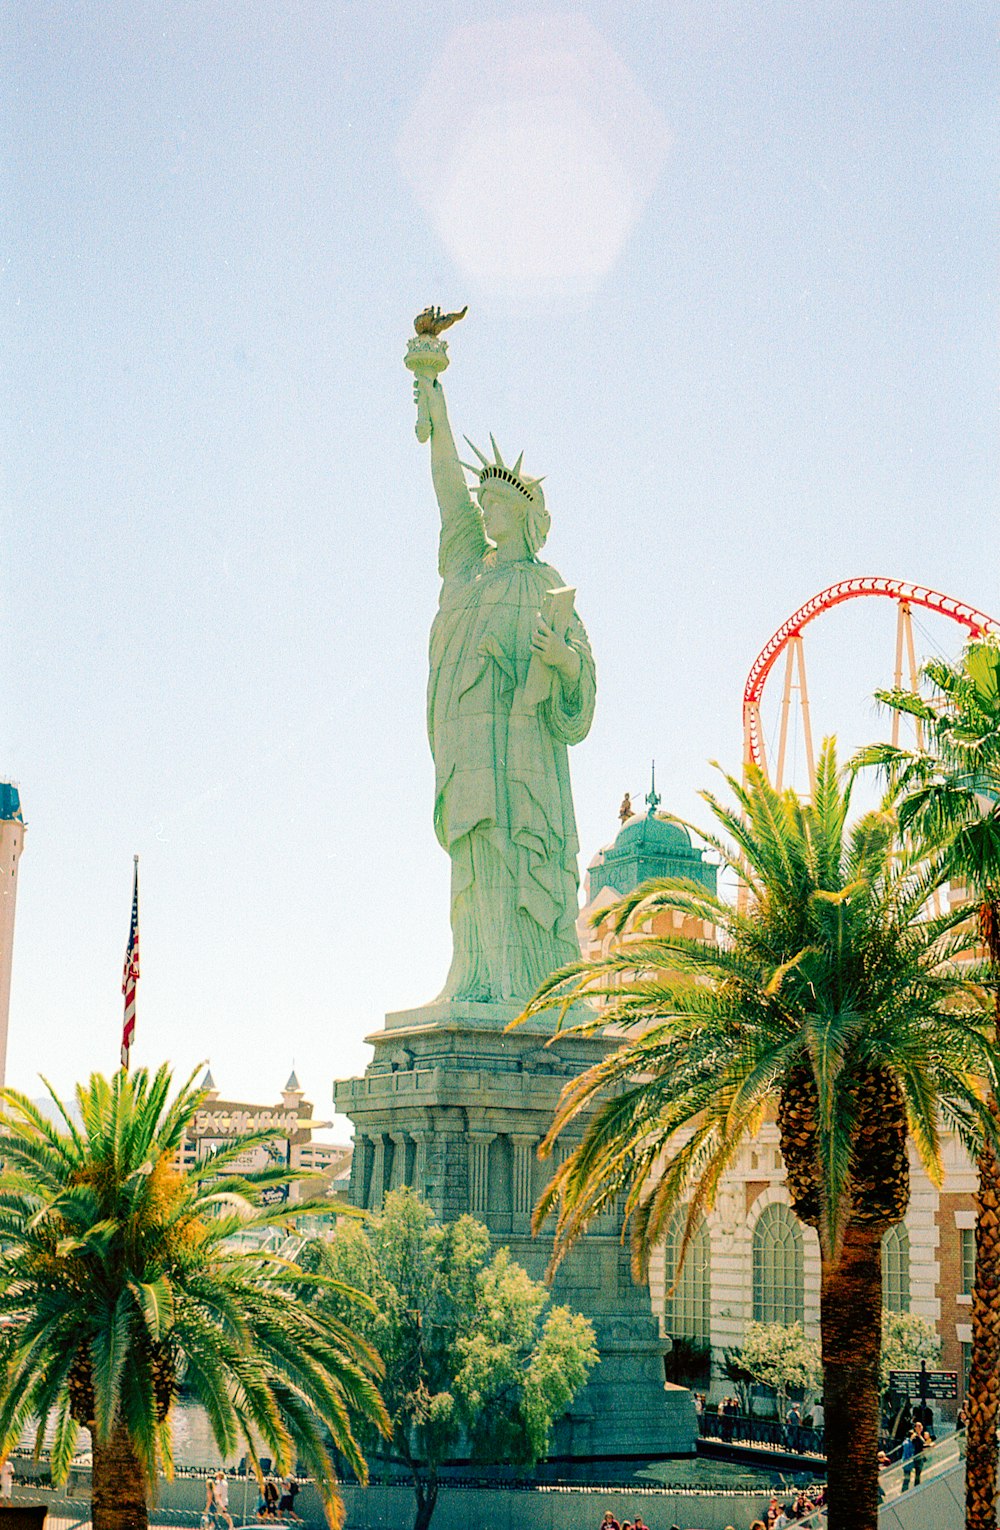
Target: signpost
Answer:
pixel 936 1386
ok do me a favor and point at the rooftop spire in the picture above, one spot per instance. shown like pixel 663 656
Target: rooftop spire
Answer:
pixel 653 798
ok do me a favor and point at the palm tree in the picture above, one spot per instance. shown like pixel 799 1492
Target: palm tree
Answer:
pixel 123 1275
pixel 830 998
pixel 949 795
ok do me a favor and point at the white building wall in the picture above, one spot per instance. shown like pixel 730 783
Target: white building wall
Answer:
pixel 922 1226
pixel 730 1224
pixel 11 845
pixel 757 1177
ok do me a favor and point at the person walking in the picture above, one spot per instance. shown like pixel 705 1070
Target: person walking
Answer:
pixel 286 1503
pixel 215 1514
pixel 907 1459
pixel 267 1503
pixel 222 1490
pixel 920 1444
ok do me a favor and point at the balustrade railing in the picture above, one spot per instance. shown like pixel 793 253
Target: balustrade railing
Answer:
pixel 741 1429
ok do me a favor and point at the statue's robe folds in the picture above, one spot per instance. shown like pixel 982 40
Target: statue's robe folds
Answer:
pixel 503 807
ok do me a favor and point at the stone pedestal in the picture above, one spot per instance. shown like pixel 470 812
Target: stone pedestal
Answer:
pixel 455 1108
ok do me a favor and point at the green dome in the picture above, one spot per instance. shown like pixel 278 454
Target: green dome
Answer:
pixel 651 835
pixel 649 847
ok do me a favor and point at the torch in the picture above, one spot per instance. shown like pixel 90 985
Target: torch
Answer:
pixel 427 356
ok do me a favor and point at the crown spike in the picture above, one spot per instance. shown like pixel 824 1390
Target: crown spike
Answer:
pixel 484 460
pixel 516 469
pixel 496 452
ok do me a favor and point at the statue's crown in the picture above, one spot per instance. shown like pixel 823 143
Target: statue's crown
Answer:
pixel 497 470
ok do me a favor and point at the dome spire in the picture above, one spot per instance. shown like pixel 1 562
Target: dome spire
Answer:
pixel 653 799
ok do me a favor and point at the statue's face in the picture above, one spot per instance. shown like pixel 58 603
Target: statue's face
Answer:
pixel 503 513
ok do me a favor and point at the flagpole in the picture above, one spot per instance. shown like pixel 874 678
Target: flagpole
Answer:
pixel 130 974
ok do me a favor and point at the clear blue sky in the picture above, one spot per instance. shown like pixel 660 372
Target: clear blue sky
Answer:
pixel 732 278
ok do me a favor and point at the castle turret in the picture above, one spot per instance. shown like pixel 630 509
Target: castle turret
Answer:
pixel 11 845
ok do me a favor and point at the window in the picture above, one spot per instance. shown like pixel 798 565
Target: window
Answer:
pixel 968 1237
pixel 896 1269
pixel 777 1267
pixel 688 1311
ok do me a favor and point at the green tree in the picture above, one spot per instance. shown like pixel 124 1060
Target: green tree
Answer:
pixel 827 997
pixel 949 794
pixel 780 1356
pixel 120 1280
pixel 906 1340
pixel 473 1367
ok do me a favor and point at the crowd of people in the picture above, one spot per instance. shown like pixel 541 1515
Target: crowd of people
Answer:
pixel 777 1515
pixel 276 1501
pixel 609 1522
pixel 916 1443
pixel 799 1432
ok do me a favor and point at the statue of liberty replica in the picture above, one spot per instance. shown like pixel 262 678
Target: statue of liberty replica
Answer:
pixel 453 1104
pixel 511 686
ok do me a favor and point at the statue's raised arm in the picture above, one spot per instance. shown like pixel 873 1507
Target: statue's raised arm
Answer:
pixel 463 542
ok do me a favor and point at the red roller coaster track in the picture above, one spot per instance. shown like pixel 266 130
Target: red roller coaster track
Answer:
pixel 905 595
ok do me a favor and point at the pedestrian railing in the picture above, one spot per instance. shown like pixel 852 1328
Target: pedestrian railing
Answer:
pixel 740 1429
pixel 65 1515
pixel 933 1462
pixel 943 1456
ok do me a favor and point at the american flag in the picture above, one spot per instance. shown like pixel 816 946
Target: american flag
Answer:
pixel 130 976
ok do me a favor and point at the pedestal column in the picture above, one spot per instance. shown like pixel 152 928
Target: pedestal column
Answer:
pixel 361 1171
pixel 397 1178
pixel 479 1171
pixel 524 1145
pixel 377 1194
pixel 420 1161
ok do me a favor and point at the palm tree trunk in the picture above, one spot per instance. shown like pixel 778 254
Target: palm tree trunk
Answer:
pixel 851 1322
pixel 982 1403
pixel 118 1484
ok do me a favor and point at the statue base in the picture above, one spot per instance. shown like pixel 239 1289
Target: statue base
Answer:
pixel 455 1107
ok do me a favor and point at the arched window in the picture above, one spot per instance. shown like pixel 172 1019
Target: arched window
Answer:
pixel 896 1269
pixel 688 1312
pixel 777 1267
